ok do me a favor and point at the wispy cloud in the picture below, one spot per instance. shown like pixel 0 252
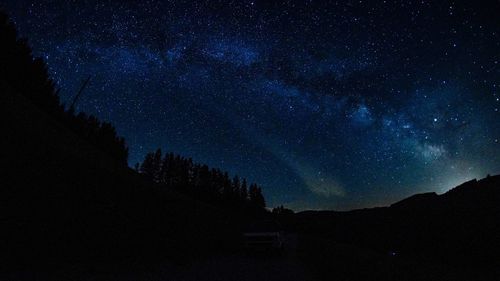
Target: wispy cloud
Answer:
pixel 315 180
pixel 319 184
pixel 430 151
pixel 231 51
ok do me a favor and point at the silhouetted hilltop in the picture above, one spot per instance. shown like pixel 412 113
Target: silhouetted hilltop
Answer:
pixel 417 200
pixel 474 194
pixel 458 228
pixel 485 191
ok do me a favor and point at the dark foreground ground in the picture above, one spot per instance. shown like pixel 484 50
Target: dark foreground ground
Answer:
pixel 305 258
pixel 238 265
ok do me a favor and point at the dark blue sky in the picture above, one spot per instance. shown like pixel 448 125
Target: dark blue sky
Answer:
pixel 326 104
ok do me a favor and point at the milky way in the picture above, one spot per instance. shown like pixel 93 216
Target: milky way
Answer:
pixel 326 104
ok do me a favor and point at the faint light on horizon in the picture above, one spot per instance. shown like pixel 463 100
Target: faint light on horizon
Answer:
pixel 455 180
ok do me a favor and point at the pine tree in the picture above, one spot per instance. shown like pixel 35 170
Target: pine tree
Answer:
pixel 210 185
pixel 256 197
pixel 156 165
pixel 166 169
pixel 147 166
pixel 226 188
pixel 260 201
pixel 235 188
pixel 244 190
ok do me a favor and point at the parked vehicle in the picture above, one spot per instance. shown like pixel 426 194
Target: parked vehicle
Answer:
pixel 264 235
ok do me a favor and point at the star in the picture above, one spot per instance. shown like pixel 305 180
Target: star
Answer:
pixel 371 96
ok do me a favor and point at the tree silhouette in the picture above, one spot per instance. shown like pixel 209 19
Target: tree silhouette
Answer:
pixel 199 181
pixel 63 198
pixel 21 73
pixel 147 166
pixel 256 197
pixel 282 211
pixel 156 166
pixel 244 191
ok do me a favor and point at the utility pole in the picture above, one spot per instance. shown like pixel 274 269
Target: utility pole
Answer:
pixel 75 99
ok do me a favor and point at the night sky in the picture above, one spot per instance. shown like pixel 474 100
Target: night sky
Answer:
pixel 326 104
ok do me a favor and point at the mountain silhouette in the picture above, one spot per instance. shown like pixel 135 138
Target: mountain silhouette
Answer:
pixel 417 200
pixel 458 229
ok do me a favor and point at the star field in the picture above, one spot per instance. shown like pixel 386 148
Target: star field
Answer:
pixel 326 104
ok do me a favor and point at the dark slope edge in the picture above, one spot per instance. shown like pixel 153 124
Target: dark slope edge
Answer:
pixel 459 228
pixel 62 198
pixel 66 193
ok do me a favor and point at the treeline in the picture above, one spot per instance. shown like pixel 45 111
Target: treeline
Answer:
pixel 66 207
pixel 20 72
pixel 199 181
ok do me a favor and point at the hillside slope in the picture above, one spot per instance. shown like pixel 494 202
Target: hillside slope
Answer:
pixel 459 227
pixel 63 198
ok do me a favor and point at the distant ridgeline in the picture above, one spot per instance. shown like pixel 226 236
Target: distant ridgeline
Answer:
pixel 21 73
pixel 199 181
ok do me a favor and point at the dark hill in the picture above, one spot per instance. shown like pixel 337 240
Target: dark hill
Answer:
pixel 451 236
pixel 417 200
pixel 459 229
pixel 66 192
pixel 63 198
